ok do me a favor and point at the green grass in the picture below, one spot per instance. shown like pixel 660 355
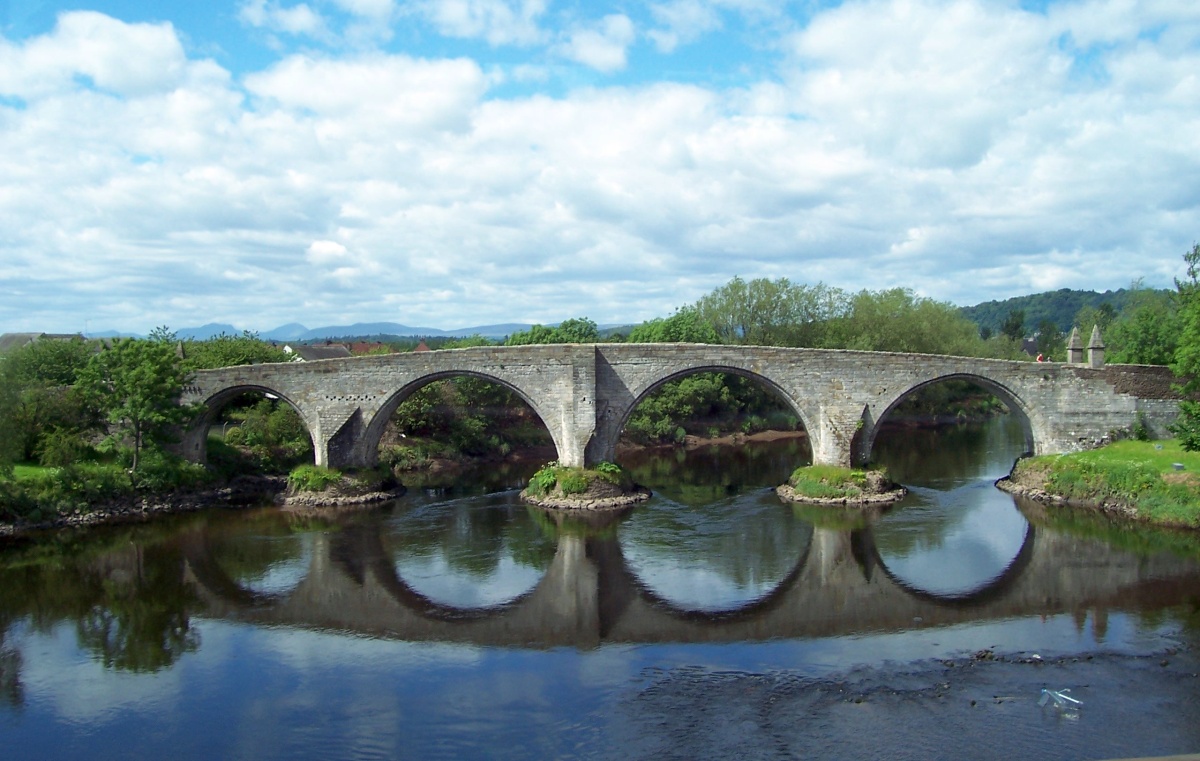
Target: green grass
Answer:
pixel 313 477
pixel 27 471
pixel 571 480
pixel 828 481
pixel 1134 473
pixel 1145 452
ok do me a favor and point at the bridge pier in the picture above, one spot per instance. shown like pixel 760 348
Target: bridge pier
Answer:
pixel 836 435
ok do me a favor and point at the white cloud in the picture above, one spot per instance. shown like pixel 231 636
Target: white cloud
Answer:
pixel 682 21
pixel 298 19
pixel 499 22
pixel 373 94
pixel 958 147
pixel 97 47
pixel 602 46
pixel 379 10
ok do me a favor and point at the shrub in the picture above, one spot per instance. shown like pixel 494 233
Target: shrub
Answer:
pixel 827 481
pixel 312 478
pixel 544 480
pixel 573 482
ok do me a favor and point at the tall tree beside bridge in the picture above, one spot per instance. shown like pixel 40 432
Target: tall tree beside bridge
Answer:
pixel 1187 354
pixel 137 384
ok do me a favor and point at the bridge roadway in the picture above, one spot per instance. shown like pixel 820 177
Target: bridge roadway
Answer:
pixel 585 393
pixel 589 595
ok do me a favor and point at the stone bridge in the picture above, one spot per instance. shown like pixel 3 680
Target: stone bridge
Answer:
pixel 585 393
pixel 589 595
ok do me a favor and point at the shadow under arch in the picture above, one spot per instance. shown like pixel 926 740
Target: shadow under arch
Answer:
pixel 217 402
pixel 1030 420
pixel 990 591
pixel 765 381
pixel 375 428
pixel 623 574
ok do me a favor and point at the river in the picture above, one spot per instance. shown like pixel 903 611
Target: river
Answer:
pixel 713 621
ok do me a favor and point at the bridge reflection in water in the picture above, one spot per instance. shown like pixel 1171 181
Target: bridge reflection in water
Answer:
pixel 590 595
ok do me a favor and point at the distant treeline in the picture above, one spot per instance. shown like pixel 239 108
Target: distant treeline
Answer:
pixel 1059 307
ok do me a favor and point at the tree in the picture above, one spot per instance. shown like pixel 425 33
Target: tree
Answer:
pixel 39 377
pixel 10 449
pixel 579 330
pixel 1146 332
pixel 229 351
pixel 899 320
pixel 1187 354
pixel 136 384
pixel 1101 316
pixel 685 326
pixel 765 312
pixel 1050 342
pixel 1014 325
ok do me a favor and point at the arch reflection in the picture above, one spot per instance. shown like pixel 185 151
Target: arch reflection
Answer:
pixel 721 559
pixel 466 558
pixel 959 546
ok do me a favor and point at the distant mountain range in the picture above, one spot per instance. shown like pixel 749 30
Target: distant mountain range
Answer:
pixel 1059 306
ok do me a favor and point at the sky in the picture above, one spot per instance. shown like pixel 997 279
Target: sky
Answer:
pixel 452 163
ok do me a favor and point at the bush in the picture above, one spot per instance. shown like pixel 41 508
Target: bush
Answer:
pixel 1187 426
pixel 59 447
pixel 312 478
pixel 827 481
pixel 573 482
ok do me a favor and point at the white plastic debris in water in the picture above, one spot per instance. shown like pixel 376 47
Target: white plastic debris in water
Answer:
pixel 1060 698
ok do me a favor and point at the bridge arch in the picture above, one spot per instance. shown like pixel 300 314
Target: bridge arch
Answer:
pixel 195 441
pixel 378 423
pixel 1031 421
pixel 604 446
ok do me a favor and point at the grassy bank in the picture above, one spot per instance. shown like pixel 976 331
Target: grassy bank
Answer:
pixel 1139 476
pixel 831 484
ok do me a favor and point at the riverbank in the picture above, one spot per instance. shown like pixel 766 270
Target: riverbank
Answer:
pixel 243 491
pixel 1154 482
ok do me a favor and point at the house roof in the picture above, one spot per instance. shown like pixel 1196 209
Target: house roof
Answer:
pixel 10 341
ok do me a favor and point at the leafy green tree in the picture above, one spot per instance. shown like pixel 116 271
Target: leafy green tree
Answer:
pixel 1187 354
pixel 765 312
pixel 1014 325
pixel 137 384
pixel 1102 316
pixel 579 330
pixel 1050 342
pixel 685 326
pixel 1147 330
pixel 899 320
pixel 229 351
pixel 40 376
pixel 10 448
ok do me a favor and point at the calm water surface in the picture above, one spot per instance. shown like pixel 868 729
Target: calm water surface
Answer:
pixel 712 621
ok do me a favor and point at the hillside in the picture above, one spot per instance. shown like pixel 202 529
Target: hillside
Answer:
pixel 1060 307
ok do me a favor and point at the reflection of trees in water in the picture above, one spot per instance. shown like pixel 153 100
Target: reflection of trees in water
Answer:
pixel 129 606
pixel 751 541
pixel 949 452
pixel 710 473
pixel 474 539
pixel 12 692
